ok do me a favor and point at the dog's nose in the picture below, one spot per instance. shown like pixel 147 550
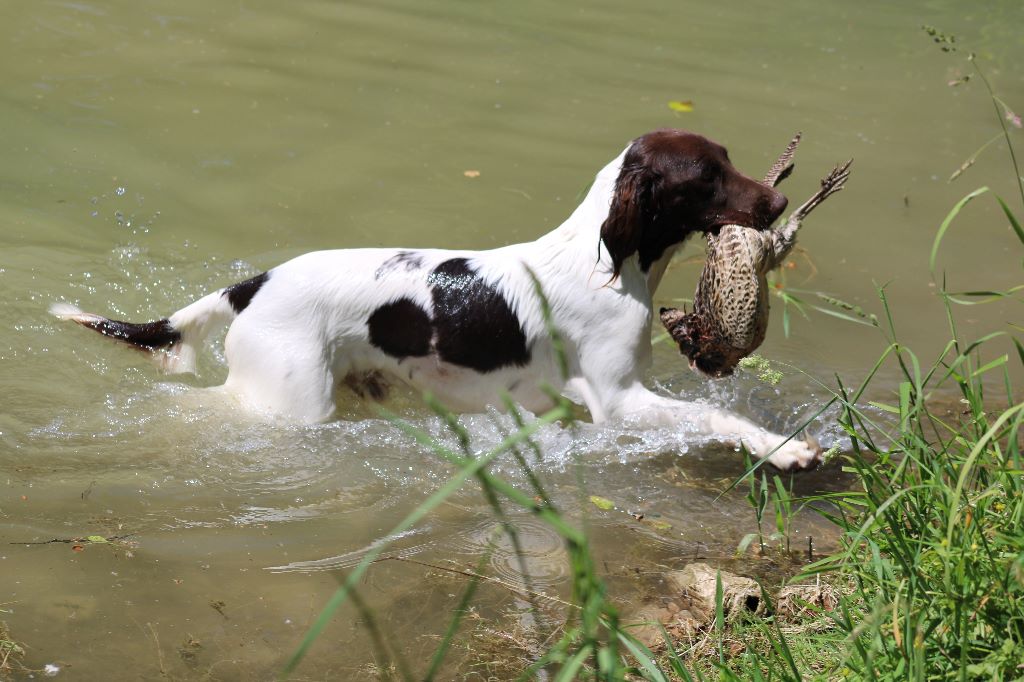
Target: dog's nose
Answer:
pixel 778 204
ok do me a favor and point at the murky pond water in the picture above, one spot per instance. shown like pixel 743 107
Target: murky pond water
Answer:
pixel 154 151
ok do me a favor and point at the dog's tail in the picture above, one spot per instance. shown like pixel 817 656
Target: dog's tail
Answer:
pixel 172 342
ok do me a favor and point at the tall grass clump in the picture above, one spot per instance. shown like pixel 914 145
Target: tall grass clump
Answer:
pixel 933 540
pixel 931 565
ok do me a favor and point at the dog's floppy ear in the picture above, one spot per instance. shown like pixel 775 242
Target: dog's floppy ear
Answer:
pixel 629 213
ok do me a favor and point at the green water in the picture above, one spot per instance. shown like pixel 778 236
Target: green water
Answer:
pixel 153 151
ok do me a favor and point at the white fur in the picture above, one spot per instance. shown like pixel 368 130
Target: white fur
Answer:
pixel 306 330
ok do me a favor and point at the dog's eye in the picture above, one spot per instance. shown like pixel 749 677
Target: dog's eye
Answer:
pixel 708 175
pixel 706 183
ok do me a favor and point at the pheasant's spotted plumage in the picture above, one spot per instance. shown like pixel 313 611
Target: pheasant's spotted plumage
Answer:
pixel 730 308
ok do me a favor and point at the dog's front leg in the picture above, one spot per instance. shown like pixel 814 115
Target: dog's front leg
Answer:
pixel 640 405
pixel 787 455
pixel 609 382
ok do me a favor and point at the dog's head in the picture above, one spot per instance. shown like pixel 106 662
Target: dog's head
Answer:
pixel 673 183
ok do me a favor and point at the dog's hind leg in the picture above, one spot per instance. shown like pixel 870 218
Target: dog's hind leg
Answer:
pixel 287 373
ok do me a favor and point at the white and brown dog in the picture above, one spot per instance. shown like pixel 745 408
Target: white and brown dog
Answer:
pixel 468 326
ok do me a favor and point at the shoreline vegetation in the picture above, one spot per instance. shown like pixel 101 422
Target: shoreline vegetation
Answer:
pixel 928 580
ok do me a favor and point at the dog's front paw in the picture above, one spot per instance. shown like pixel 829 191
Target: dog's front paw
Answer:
pixel 796 455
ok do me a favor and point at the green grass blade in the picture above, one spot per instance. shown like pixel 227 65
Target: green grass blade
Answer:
pixel 573 665
pixel 869 322
pixel 674 659
pixel 460 611
pixel 1001 360
pixel 720 617
pixel 644 657
pixel 948 221
pixel 1014 223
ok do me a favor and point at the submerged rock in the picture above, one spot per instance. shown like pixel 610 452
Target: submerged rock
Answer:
pixel 688 604
pixel 697 584
pixel 686 609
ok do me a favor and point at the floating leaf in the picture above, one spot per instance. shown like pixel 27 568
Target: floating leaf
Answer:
pixel 682 106
pixel 97 539
pixel 661 525
pixel 602 502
